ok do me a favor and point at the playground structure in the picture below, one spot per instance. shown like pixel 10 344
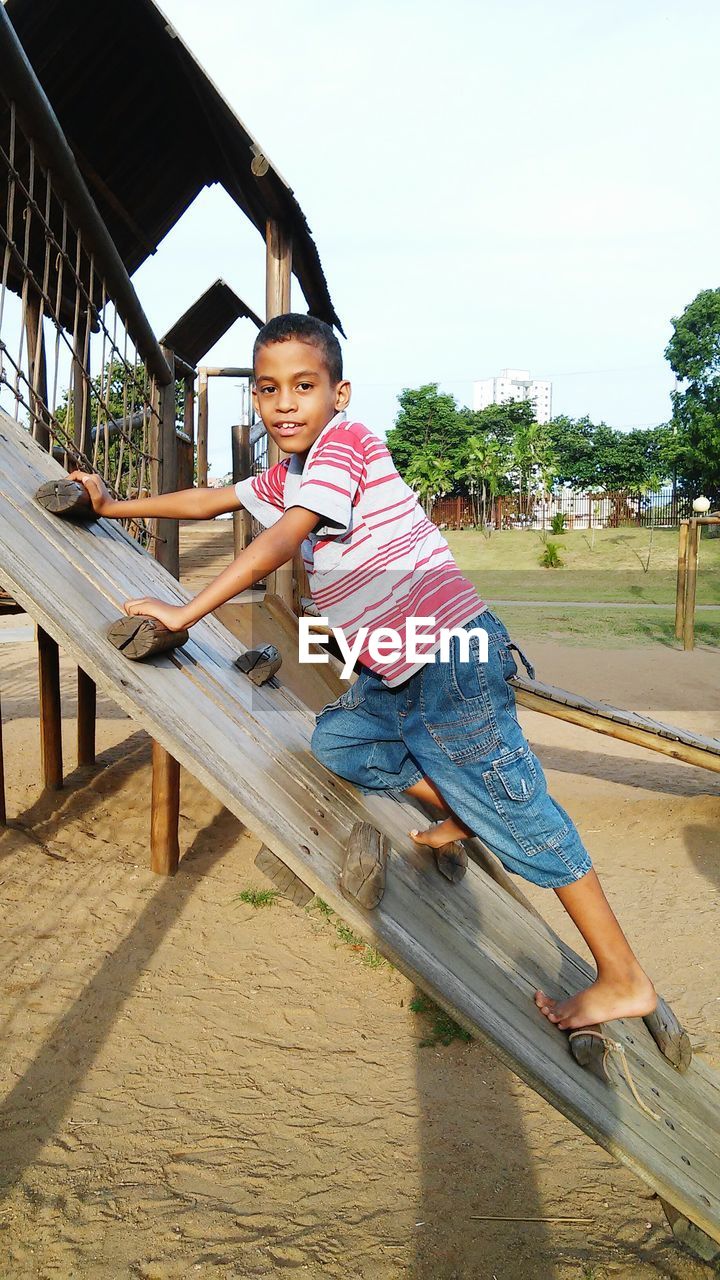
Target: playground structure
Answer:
pixel 477 947
pixel 688 554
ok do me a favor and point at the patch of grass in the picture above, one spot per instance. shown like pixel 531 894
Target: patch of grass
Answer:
pixel 369 955
pixel 443 1028
pixel 322 908
pixel 599 565
pixel 346 934
pixel 611 629
pixel 257 897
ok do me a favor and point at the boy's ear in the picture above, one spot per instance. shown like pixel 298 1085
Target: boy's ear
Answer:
pixel 343 391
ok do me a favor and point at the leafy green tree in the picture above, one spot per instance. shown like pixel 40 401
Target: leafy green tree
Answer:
pixel 486 466
pixel 430 477
pixel 693 353
pixel 532 459
pixel 428 420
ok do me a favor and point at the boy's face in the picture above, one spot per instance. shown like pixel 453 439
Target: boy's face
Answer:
pixel 294 395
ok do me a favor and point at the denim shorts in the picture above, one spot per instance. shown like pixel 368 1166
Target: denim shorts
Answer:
pixel 455 723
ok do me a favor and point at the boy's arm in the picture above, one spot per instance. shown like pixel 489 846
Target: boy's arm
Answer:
pixel 272 548
pixel 187 504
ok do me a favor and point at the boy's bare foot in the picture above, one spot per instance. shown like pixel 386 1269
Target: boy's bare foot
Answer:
pixel 629 995
pixel 442 833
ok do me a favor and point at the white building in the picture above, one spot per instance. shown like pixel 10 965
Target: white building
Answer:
pixel 514 384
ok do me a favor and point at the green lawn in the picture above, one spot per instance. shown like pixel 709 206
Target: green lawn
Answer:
pixel 504 566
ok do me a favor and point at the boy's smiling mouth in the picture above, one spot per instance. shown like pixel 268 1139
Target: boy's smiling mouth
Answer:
pixel 288 428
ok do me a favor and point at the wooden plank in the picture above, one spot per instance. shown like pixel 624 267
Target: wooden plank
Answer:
pixel 669 740
pixel 470 945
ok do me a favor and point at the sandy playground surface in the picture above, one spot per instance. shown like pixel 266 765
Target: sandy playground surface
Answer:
pixel 194 1086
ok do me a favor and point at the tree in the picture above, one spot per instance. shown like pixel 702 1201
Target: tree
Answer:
pixel 693 353
pixel 487 464
pixel 428 420
pixel 430 477
pixel 532 459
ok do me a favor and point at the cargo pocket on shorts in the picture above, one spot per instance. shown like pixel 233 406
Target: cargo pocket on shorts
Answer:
pixel 457 710
pixel 349 699
pixel 517 786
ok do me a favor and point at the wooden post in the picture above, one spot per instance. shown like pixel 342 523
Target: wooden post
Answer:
pixel 202 431
pixel 86 710
pixel 165 809
pixel 241 470
pixel 37 371
pixel 278 273
pixel 165 800
pixel 681 587
pixel 163 479
pixel 82 406
pixel 3 810
pixel 691 587
pixel 189 408
pixel 50 711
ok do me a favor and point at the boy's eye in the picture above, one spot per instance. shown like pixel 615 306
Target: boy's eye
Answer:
pixel 264 389
pixel 305 386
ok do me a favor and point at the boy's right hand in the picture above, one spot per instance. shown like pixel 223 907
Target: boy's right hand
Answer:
pixel 96 490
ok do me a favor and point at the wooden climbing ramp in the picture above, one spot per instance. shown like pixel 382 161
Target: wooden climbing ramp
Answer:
pixel 472 946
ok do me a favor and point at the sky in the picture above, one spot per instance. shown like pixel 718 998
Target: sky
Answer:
pixel 490 183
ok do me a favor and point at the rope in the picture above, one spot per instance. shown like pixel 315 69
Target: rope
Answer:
pixel 614 1046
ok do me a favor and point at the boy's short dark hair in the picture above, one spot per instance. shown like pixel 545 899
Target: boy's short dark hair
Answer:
pixel 306 329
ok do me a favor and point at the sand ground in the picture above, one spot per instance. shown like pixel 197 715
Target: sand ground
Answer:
pixel 194 1086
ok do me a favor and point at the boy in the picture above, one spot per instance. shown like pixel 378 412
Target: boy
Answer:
pixel 443 731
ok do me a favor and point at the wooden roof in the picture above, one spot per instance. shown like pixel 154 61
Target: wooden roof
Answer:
pixel 205 322
pixel 149 129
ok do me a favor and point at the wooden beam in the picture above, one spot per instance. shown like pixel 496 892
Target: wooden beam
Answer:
pixel 681 580
pixel 278 274
pixel 164 467
pixel 86 712
pixel 3 810
pixel 82 406
pixel 165 798
pixel 613 729
pixel 189 408
pixel 50 711
pixel 202 430
pixel 241 470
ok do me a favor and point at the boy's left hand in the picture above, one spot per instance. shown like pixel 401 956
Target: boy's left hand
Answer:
pixel 172 616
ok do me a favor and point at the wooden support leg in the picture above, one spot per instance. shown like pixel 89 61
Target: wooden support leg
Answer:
pixel 690 590
pixel 50 710
pixel 164 844
pixel 681 586
pixel 86 708
pixel 3 811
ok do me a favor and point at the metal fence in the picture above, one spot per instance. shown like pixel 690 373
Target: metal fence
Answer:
pixel 610 510
pixel 79 365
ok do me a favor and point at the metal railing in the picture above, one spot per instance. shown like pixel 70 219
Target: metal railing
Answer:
pixel 80 367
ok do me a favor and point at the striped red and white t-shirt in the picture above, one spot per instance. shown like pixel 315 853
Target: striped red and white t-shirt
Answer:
pixel 376 560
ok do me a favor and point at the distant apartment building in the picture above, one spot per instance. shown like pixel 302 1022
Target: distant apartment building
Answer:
pixel 514 384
